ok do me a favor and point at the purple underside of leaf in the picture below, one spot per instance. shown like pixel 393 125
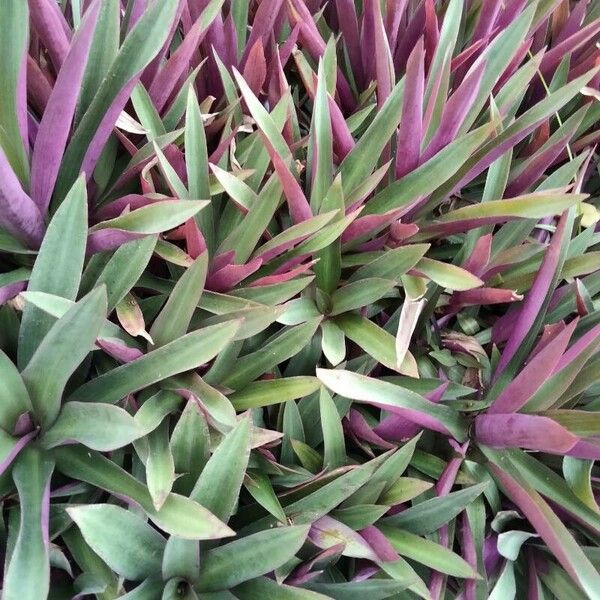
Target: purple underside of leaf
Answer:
pixel 398 428
pixel 105 128
pixel 116 207
pixel 455 111
pixel 118 350
pixel 515 395
pixel 284 276
pixel 531 432
pixel 535 297
pixel 346 14
pixel 297 202
pixel 19 445
pixel 166 79
pixel 369 224
pixel 109 239
pixel 52 28
pixel 358 425
pixel 8 292
pixel 230 275
pixel 262 25
pixel 591 338
pixel 18 213
pixel 410 131
pixel 55 125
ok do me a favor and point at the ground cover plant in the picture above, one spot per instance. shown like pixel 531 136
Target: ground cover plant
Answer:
pixel 299 299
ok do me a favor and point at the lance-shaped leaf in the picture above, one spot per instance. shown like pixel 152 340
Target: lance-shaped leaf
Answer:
pixel 532 206
pixel 533 375
pixel 177 516
pixel 551 529
pixel 394 398
pixel 174 319
pixel 447 275
pixel 57 269
pixel 531 432
pixel 19 215
pixel 273 391
pixel 409 135
pixel 358 294
pixel 27 574
pixel 154 218
pixel 55 125
pixel 14 398
pixel 430 515
pixel 122 538
pixel 65 346
pixel 184 354
pixel 138 49
pixel 78 422
pixel 249 557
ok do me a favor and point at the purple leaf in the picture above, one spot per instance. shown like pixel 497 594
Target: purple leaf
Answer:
pixel 52 28
pixel 8 292
pixel 229 276
pixel 410 132
pixel 530 432
pixel 109 239
pixel 55 125
pixel 535 297
pixel 18 213
pixel 535 373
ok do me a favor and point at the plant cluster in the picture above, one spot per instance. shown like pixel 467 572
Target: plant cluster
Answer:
pixel 299 299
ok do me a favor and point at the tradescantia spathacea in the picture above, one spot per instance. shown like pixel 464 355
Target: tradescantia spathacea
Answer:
pixel 299 299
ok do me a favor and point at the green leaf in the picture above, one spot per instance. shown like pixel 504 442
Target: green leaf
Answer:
pixel 196 164
pixel 14 398
pixel 249 557
pixel 373 589
pixel 184 354
pixel 27 575
pixel 154 218
pixel 63 349
pixel 98 426
pixel 428 553
pixel 124 541
pixel 392 263
pixel 263 588
pixel 178 515
pixel 273 391
pixel 373 391
pixel 259 486
pixel 358 294
pixel 403 490
pixel 334 454
pixel 430 515
pixel 285 345
pixel 124 268
pixel 14 34
pixel 160 467
pixel 57 269
pixel 174 319
pixel 447 275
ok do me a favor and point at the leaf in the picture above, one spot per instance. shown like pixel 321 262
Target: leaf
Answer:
pixel 395 398
pixel 154 218
pixel 333 434
pixel 428 553
pixel 448 276
pixel 57 269
pixel 79 422
pixel 280 348
pixel 273 391
pixel 178 515
pixel 428 516
pixel 184 354
pixel 374 589
pixel 263 588
pixel 139 47
pixel 14 398
pixel 551 529
pixel 121 538
pixel 31 474
pixel 358 294
pixel 63 349
pixel 249 557
pixel 160 468
pixel 174 319
pixel 124 268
